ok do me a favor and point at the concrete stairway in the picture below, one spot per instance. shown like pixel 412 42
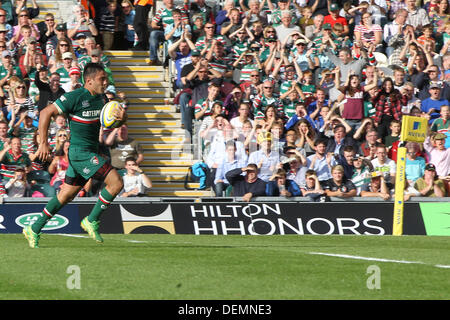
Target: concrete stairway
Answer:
pixel 154 123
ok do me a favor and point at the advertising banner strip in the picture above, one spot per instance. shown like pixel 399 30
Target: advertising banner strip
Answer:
pixel 236 218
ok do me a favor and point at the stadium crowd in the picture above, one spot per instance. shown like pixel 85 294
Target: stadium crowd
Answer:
pixel 306 98
pixel 283 98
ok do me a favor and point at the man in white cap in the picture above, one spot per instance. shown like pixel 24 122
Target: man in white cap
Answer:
pixel 7 69
pixel 64 70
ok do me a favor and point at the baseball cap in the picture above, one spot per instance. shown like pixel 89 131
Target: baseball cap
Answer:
pixel 61 27
pixel 300 41
pixel 327 26
pixel 435 85
pixel 440 136
pixel 3 27
pixel 67 55
pixel 74 70
pixel 430 167
pixel 111 89
pixel 264 136
pixel 6 53
pixel 334 7
pixel 195 53
pixel 357 156
pixel 80 35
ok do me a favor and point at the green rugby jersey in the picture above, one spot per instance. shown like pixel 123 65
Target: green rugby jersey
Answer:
pixel 83 111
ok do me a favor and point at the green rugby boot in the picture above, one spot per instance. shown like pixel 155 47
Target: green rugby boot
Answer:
pixel 31 236
pixel 92 229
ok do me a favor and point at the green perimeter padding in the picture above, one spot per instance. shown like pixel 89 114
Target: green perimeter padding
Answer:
pixel 436 217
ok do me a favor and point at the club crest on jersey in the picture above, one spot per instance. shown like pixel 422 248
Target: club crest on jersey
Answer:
pixel 94 160
pixel 85 104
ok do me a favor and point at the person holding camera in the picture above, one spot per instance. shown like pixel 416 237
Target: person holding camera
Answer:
pixel 135 181
pixel 17 186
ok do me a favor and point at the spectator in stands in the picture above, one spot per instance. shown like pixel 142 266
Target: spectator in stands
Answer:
pixel 438 154
pixel 376 187
pixel 47 30
pixel 312 187
pixel 128 15
pixel 59 165
pixel 108 24
pixel 203 106
pixel 246 186
pixel 7 27
pixel 161 20
pixel 340 140
pixel 224 14
pixel 265 158
pixel 361 172
pixel 431 76
pixel 80 22
pixel 321 162
pixel 385 165
pixel 415 165
pixel 315 29
pixel 20 101
pixel 182 57
pixel 135 181
pixel 31 58
pixel 140 23
pixel 432 105
pixel 56 60
pixel 388 104
pixel 24 21
pixel 430 185
pixel 17 186
pixel 280 186
pixel 12 157
pixel 338 185
pixel 63 71
pixel 7 69
pixel 230 161
pixel 48 91
pixel 122 146
pixel 345 62
pixel 75 80
pixel 442 124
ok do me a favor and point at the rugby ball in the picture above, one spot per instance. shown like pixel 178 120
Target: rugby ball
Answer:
pixel 107 119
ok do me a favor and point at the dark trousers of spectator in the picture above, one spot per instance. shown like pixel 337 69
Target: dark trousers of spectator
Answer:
pixel 187 112
pixel 140 25
pixel 383 126
pixel 219 188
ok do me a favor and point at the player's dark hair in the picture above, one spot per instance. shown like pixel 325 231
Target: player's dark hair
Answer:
pixel 91 70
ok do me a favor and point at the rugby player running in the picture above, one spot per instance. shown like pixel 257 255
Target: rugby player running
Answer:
pixel 83 107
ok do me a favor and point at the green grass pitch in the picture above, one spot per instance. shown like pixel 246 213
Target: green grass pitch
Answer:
pixel 183 267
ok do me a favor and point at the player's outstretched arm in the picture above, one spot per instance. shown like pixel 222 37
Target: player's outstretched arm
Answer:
pixel 45 116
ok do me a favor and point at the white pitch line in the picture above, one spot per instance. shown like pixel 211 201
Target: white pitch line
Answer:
pixel 346 256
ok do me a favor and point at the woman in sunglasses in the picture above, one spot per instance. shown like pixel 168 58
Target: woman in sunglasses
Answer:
pixel 56 61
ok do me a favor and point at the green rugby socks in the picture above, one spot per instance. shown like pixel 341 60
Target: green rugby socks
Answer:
pixel 103 202
pixel 52 207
